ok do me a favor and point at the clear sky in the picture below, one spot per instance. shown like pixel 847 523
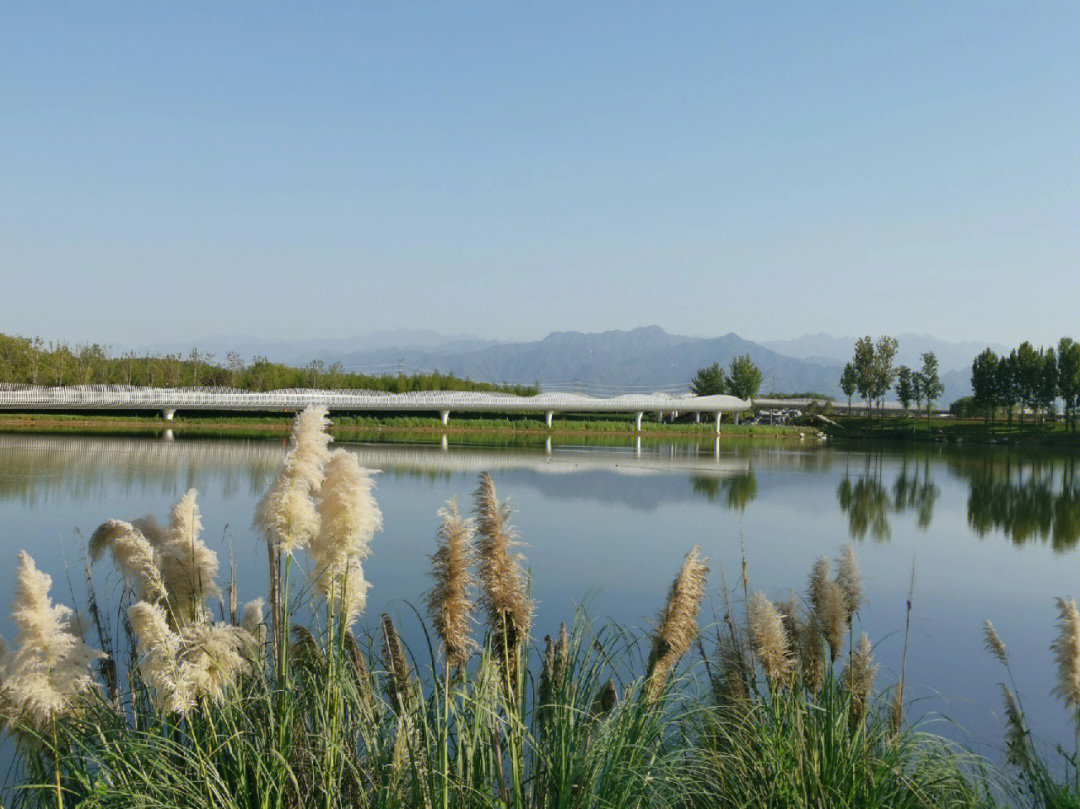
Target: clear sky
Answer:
pixel 174 170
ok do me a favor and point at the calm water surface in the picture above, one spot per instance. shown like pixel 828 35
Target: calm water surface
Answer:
pixel 987 532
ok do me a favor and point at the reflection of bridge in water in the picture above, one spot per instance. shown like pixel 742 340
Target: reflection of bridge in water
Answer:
pixel 168 400
pixel 28 458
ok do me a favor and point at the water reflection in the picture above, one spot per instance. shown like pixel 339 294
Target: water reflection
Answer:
pixel 1029 499
pixel 736 491
pixel 868 501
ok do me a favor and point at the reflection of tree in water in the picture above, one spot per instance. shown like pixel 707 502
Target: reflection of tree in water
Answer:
pixel 738 490
pixel 868 502
pixel 1026 499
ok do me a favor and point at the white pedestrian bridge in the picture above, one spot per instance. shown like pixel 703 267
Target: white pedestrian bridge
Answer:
pixel 168 401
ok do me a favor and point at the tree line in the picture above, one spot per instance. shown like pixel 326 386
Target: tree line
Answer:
pixel 1028 379
pixel 871 373
pixel 32 361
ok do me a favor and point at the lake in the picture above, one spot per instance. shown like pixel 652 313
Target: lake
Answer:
pixel 988 533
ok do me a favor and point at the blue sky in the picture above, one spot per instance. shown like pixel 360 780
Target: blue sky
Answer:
pixel 175 170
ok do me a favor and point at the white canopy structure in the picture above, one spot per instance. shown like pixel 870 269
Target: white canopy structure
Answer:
pixel 169 400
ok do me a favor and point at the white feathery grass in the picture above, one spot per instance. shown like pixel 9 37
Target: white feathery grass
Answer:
pixel 849 579
pixel 252 620
pixel 348 516
pixel 858 677
pixel 201 661
pixel 994 643
pixel 678 624
pixel 188 567
pixel 287 515
pixel 768 638
pixel 134 556
pixel 1067 655
pixel 449 601
pixel 50 668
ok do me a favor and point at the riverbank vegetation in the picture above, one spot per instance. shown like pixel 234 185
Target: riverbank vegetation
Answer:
pixel 197 700
pixel 30 361
pixel 359 427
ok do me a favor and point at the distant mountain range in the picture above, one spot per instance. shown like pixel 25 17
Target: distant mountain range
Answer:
pixel 642 359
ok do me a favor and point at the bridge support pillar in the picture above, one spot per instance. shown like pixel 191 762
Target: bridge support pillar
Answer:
pixel 444 444
pixel 548 417
pixel 736 418
pixel 719 416
pixel 168 413
pixel 445 416
pixel 637 420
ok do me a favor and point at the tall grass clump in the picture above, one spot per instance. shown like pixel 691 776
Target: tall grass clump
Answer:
pixel 201 711
pixel 1043 783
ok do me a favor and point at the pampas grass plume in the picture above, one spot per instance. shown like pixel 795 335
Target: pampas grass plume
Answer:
pixel 134 556
pixel 859 678
pixel 830 611
pixel 1067 655
pixel 42 679
pixel 768 638
pixel 188 567
pixel 677 627
pixel 286 514
pixel 994 643
pixel 349 516
pixel 849 579
pixel 449 602
pixel 502 579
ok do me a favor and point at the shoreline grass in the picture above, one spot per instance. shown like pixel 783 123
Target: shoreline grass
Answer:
pixel 193 700
pixel 360 427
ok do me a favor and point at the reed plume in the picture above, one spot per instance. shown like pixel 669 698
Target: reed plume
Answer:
pixel 200 661
pixel 253 622
pixel 449 602
pixel 768 639
pixel 134 556
pixel 553 673
pixel 677 627
pixel 502 580
pixel 43 678
pixel 1017 745
pixel 811 659
pixel 348 519
pixel 994 643
pixel 1067 655
pixel 188 567
pixel 287 515
pixel 859 678
pixel 828 603
pixel 849 579
pixel 399 672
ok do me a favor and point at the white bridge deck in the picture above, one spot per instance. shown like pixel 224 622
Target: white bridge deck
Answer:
pixel 169 400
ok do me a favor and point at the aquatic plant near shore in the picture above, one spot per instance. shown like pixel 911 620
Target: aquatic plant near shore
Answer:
pixel 677 627
pixel 349 516
pixel 502 579
pixel 42 678
pixel 449 601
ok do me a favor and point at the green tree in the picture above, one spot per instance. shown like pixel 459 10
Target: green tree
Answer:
pixel 883 371
pixel 984 389
pixel 744 378
pixel 848 384
pixel 1005 384
pixel 905 390
pixel 1046 390
pixel 1027 373
pixel 1068 358
pixel 709 381
pixel 863 362
pixel 929 380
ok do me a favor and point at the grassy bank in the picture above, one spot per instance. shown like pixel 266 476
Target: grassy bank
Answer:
pixel 380 427
pixel 193 699
pixel 953 430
